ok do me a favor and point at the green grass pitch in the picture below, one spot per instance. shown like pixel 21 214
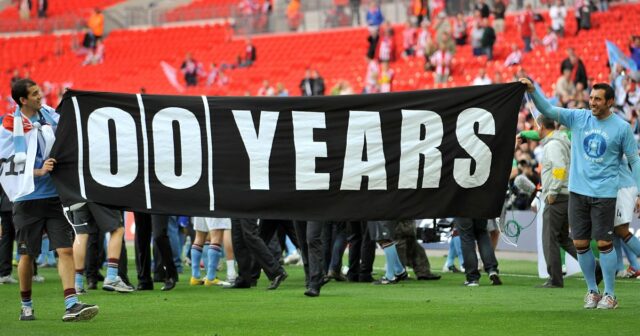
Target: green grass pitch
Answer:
pixel 413 307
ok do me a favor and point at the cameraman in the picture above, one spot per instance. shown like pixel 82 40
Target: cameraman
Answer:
pixel 524 191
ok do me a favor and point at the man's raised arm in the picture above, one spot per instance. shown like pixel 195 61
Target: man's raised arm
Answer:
pixel 559 114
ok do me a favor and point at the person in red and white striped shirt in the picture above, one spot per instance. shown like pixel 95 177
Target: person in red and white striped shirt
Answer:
pixel 441 59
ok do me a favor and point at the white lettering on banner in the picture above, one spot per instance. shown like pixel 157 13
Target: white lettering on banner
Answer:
pixel 308 150
pixel 478 150
pixel 164 147
pixel 364 130
pixel 100 155
pixel 412 147
pixel 364 135
pixel 258 145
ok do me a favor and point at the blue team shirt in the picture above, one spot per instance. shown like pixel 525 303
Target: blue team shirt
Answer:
pixel 44 187
pixel 597 147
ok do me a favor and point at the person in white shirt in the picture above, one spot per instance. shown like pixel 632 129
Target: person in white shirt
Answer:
pixel 558 14
pixel 482 78
pixel 266 89
pixel 515 57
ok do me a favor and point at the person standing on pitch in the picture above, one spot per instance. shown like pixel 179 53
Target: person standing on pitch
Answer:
pixel 625 204
pixel 556 162
pixel 37 207
pixel 88 218
pixel 215 228
pixel 599 140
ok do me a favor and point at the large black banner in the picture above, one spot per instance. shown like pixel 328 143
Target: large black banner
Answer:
pixel 421 154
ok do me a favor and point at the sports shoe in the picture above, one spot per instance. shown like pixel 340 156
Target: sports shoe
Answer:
pixel 450 268
pixel 38 278
pixel 116 285
pixel 81 291
pixel 621 274
pixel 591 300
pixel 196 282
pixel 608 302
pixel 275 283
pixel 549 284
pixel 26 314
pixel 402 276
pixel 495 279
pixel 7 279
pixel 337 276
pixel 215 282
pixel 385 281
pixel 630 273
pixel 292 259
pixel 80 312
pixel 473 283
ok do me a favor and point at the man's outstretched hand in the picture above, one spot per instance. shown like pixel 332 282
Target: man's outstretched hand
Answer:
pixel 527 82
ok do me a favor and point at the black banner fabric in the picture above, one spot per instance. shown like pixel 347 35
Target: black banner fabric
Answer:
pixel 421 154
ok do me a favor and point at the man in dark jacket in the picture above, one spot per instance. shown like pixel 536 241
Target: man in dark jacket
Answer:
pixel 488 39
pixel 578 70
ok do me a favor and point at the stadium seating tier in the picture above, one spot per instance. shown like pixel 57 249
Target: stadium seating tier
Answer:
pixel 133 57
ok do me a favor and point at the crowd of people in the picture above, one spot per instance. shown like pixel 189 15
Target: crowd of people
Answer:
pixel 27 8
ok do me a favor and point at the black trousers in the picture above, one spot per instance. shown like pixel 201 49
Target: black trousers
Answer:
pixel 338 246
pixel 362 251
pixel 145 225
pixel 310 239
pixel 411 253
pixel 6 242
pixel 272 232
pixel 250 249
pixel 472 231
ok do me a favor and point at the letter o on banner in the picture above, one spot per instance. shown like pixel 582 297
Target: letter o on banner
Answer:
pixel 164 147
pixel 100 150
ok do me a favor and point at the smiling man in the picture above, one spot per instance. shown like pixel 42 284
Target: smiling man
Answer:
pixel 599 140
pixel 37 208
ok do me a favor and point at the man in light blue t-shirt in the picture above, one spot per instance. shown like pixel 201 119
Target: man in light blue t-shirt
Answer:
pixel 599 140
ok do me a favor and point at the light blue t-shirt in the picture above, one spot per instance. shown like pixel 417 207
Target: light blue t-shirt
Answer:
pixel 44 187
pixel 597 147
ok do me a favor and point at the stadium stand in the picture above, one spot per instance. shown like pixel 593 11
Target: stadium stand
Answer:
pixel 133 57
pixel 60 15
pixel 201 9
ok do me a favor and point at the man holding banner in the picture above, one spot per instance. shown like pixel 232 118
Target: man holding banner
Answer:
pixel 599 139
pixel 26 138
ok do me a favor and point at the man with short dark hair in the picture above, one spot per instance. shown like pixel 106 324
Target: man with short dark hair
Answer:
pixel 37 207
pixel 556 162
pixel 599 140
